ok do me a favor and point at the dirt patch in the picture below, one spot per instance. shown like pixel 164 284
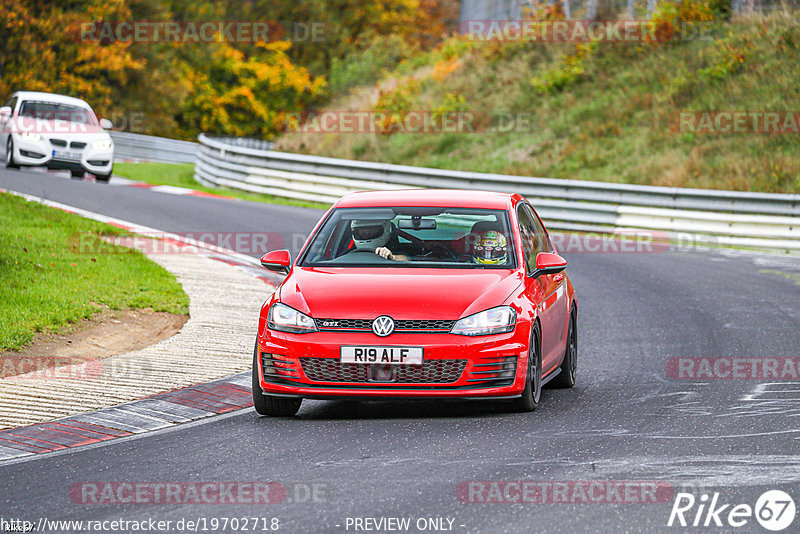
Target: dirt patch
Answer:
pixel 107 333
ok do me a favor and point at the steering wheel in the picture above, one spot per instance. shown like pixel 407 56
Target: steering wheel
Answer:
pixel 453 256
pixel 423 245
pixel 364 251
pixel 446 252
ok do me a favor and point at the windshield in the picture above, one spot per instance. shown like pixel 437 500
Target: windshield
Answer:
pixel 53 111
pixel 413 237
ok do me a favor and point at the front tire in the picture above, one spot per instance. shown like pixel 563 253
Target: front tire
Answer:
pixel 10 155
pixel 76 175
pixel 566 378
pixel 532 393
pixel 268 404
pixel 102 178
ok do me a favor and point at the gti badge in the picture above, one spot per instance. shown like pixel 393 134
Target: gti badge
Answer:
pixel 383 326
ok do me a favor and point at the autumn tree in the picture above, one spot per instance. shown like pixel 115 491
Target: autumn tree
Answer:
pixel 40 49
pixel 231 88
pixel 245 95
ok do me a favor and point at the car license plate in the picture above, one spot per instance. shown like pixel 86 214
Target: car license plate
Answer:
pixel 382 355
pixel 65 154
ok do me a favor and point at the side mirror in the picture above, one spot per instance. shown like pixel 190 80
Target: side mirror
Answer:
pixel 277 260
pixel 548 263
pixel 5 111
pixel 106 124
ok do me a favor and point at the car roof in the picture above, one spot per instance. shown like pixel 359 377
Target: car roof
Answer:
pixel 51 97
pixel 462 198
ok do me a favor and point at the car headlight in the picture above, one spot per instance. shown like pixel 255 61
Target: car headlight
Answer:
pixel 31 137
pixel 493 321
pixel 103 144
pixel 285 319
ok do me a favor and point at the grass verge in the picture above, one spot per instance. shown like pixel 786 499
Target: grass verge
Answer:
pixel 182 175
pixel 49 283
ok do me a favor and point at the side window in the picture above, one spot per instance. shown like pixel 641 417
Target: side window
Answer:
pixel 546 245
pixel 531 244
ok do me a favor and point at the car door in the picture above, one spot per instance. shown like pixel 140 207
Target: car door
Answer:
pixel 547 292
pixel 561 306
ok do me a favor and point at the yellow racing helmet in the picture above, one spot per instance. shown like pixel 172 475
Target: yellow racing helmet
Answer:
pixel 490 248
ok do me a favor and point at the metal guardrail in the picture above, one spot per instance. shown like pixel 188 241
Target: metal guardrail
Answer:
pixel 247 142
pixel 588 9
pixel 730 218
pixel 137 147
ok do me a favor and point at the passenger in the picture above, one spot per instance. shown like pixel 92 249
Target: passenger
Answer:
pixel 490 248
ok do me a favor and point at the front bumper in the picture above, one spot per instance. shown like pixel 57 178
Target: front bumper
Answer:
pixel 41 154
pixel 488 366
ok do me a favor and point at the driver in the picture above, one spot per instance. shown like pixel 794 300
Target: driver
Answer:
pixel 490 248
pixel 374 235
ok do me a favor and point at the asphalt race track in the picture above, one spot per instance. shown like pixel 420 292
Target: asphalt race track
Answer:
pixel 626 419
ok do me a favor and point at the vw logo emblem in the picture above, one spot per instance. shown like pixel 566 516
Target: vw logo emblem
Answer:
pixel 383 326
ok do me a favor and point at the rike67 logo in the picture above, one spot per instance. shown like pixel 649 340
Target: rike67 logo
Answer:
pixel 774 510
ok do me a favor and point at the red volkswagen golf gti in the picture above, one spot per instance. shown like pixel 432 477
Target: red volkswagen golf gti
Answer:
pixel 418 293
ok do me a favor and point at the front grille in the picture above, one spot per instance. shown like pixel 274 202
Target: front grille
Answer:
pixel 424 325
pixel 77 144
pixel 58 142
pixel 494 371
pixel 430 372
pixel 401 325
pixel 278 367
pixel 344 324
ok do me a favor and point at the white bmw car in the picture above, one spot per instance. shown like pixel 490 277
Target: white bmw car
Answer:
pixel 57 132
